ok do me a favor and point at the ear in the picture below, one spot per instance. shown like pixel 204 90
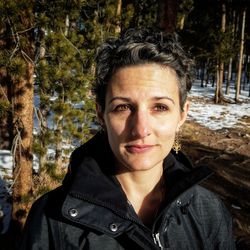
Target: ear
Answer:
pixel 99 113
pixel 183 115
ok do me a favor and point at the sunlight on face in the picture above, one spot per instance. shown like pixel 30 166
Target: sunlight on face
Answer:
pixel 142 115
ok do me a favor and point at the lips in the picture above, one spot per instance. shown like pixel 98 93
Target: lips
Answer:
pixel 138 148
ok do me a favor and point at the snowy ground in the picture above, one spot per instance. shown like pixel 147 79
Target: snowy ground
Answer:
pixel 217 116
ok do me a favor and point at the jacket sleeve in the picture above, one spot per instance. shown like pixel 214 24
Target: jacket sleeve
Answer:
pixel 42 227
pixel 224 235
pixel 36 229
pixel 218 221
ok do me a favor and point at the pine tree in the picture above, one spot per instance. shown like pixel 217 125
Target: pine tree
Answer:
pixel 68 34
pixel 63 77
pixel 140 14
pixel 17 70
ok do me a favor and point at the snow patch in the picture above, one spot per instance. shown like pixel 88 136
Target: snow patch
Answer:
pixel 217 116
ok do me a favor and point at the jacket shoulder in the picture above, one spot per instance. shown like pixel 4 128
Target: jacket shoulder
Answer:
pixel 208 203
pixel 45 212
pixel 215 217
pixel 49 204
pixel 205 217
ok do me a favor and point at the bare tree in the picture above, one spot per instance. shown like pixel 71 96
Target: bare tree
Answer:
pixel 240 56
pixel 220 65
pixel 229 75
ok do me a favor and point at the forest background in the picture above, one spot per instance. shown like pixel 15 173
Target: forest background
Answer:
pixel 47 65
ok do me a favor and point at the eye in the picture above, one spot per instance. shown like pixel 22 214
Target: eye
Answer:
pixel 122 107
pixel 161 107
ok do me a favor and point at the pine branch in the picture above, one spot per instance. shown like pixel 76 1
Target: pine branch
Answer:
pixel 26 57
pixel 40 118
pixel 24 31
pixel 17 142
pixel 72 44
pixel 15 37
pixel 4 94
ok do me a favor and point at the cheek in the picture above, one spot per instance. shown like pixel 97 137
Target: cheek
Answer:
pixel 166 134
pixel 167 128
pixel 114 127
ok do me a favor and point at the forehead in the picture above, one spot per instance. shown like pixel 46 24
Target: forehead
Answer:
pixel 146 77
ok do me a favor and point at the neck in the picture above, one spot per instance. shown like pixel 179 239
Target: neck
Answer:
pixel 142 182
pixel 145 192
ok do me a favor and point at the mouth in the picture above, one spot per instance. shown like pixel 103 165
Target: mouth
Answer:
pixel 138 148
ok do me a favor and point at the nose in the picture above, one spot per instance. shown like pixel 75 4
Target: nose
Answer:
pixel 140 125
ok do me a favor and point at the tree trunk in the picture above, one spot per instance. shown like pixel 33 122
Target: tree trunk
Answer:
pixel 207 79
pixel 182 21
pixel 42 112
pixel 207 72
pixel 22 103
pixel 229 76
pixel 240 57
pixel 58 153
pixel 245 80
pixel 213 80
pixel 217 89
pixel 66 32
pixel 202 74
pixel 118 17
pixel 22 145
pixel 221 72
pixel 220 68
pixel 167 15
pixel 42 115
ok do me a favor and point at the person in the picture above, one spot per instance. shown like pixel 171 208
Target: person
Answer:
pixel 5 208
pixel 126 187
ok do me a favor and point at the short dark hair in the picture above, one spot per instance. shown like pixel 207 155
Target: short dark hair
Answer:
pixel 143 46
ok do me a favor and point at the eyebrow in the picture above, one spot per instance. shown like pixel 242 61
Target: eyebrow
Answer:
pixel 127 99
pixel 164 97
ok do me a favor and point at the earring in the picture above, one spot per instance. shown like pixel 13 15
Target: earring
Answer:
pixel 101 126
pixel 177 145
pixel 101 129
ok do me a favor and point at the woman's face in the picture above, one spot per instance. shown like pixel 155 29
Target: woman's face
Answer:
pixel 142 115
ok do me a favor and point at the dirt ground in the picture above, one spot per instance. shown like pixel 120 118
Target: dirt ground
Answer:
pixel 227 153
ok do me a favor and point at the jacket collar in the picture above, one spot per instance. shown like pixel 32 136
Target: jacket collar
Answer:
pixel 91 175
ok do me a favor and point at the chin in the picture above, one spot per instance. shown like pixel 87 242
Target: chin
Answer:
pixel 141 165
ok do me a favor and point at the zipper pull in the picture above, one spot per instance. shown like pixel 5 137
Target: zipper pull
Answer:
pixel 157 240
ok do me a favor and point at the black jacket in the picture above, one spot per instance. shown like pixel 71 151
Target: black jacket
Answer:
pixel 90 210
